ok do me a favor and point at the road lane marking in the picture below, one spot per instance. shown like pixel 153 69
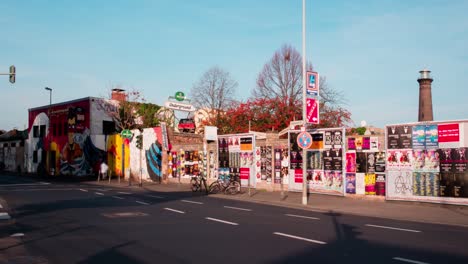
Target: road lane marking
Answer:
pixel 300 238
pixel 124 192
pixel 155 196
pixel 117 197
pixel 188 201
pixel 221 221
pixel 83 190
pixel 409 260
pixel 45 183
pixel 302 216
pixel 140 202
pixel 98 193
pixel 238 208
pixel 394 228
pixel 4 216
pixel 174 210
pixel 24 184
pixel 17 235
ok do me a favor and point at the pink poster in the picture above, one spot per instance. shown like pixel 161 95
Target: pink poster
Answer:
pixel 298 176
pixel 312 108
pixel 244 173
pixel 350 162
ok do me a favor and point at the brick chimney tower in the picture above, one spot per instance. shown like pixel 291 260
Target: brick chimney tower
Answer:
pixel 425 96
pixel 119 95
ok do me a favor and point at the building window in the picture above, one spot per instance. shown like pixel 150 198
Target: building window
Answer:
pixel 13 144
pixel 35 131
pixel 35 156
pixel 42 131
pixel 54 129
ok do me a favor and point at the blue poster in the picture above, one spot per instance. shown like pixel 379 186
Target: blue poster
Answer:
pixel 419 137
pixel 432 137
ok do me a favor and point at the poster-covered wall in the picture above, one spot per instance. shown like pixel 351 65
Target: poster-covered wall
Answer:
pixel 427 162
pixel 237 158
pixel 324 163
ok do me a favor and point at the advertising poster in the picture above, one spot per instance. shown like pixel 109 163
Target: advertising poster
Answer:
pixel 298 176
pixel 337 139
pixel 432 184
pixel 351 143
pixel 337 159
pixel 449 135
pixel 266 167
pixel 337 181
pixel 358 143
pixel 246 144
pixel 460 185
pixel 361 162
pixel 446 184
pixel 233 144
pixel 314 160
pixel 446 160
pixel 244 176
pixel 317 177
pixel 370 162
pixel 278 158
pixel 406 157
pixel 366 143
pixel 460 159
pixel 419 137
pixel 258 163
pixel 380 161
pixel 328 180
pixel 351 162
pixel 328 140
pixel 351 183
pixel 393 159
pixel 432 137
pixel 406 137
pixel 393 138
pixel 327 160
pixel 370 183
pixel 317 141
pixel 374 144
pixel 380 184
pixel 431 161
pixel 400 184
pixel 360 183
pixel 419 183
pixel 419 157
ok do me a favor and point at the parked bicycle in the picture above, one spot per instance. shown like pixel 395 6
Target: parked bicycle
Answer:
pixel 197 183
pixel 231 186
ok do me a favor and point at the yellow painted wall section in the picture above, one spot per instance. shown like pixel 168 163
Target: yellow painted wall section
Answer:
pixel 114 154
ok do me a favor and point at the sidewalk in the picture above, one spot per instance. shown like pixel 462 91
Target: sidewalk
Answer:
pixel 406 211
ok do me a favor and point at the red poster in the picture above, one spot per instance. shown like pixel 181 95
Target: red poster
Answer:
pixel 312 108
pixel 350 162
pixel 244 173
pixel 449 132
pixel 298 175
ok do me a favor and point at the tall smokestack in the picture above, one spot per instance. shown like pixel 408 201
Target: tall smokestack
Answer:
pixel 425 96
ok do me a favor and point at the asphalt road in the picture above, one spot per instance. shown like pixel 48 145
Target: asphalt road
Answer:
pixel 60 222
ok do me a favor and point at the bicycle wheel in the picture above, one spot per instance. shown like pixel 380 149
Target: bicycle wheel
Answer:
pixel 234 188
pixel 194 185
pixel 215 187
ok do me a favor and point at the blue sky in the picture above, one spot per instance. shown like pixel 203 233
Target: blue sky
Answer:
pixel 371 50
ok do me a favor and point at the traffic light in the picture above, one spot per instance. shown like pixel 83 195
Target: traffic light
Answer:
pixel 139 141
pixel 12 73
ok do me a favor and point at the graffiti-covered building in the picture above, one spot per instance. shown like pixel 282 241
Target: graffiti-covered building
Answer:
pixel 12 150
pixel 69 138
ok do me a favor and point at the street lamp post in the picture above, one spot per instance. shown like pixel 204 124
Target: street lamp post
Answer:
pixel 304 101
pixel 50 134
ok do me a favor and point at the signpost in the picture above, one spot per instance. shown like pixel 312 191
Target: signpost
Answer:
pixel 126 133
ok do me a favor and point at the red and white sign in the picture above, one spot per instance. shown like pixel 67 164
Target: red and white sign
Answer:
pixel 449 132
pixel 244 173
pixel 298 176
pixel 312 109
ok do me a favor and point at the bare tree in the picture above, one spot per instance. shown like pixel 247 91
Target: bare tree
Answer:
pixel 214 91
pixel 281 77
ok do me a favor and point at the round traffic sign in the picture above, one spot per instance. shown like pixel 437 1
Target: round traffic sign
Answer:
pixel 179 96
pixel 304 140
pixel 126 133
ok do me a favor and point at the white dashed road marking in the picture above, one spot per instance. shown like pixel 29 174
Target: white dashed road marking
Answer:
pixel 409 260
pixel 394 228
pixel 140 202
pixel 124 192
pixel 98 193
pixel 155 196
pixel 301 216
pixel 300 238
pixel 221 221
pixel 117 197
pixel 174 210
pixel 83 190
pixel 238 208
pixel 187 201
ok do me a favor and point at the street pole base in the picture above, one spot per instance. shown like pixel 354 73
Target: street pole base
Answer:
pixel 304 200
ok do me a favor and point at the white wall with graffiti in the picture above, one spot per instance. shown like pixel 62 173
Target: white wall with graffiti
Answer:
pixel 147 161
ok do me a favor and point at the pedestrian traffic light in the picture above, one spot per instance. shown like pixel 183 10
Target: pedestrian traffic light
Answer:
pixel 12 73
pixel 139 141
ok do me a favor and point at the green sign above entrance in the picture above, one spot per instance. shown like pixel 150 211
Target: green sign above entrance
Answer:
pixel 179 96
pixel 126 133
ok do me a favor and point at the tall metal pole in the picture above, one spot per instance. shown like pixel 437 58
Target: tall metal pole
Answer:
pixel 49 153
pixel 304 110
